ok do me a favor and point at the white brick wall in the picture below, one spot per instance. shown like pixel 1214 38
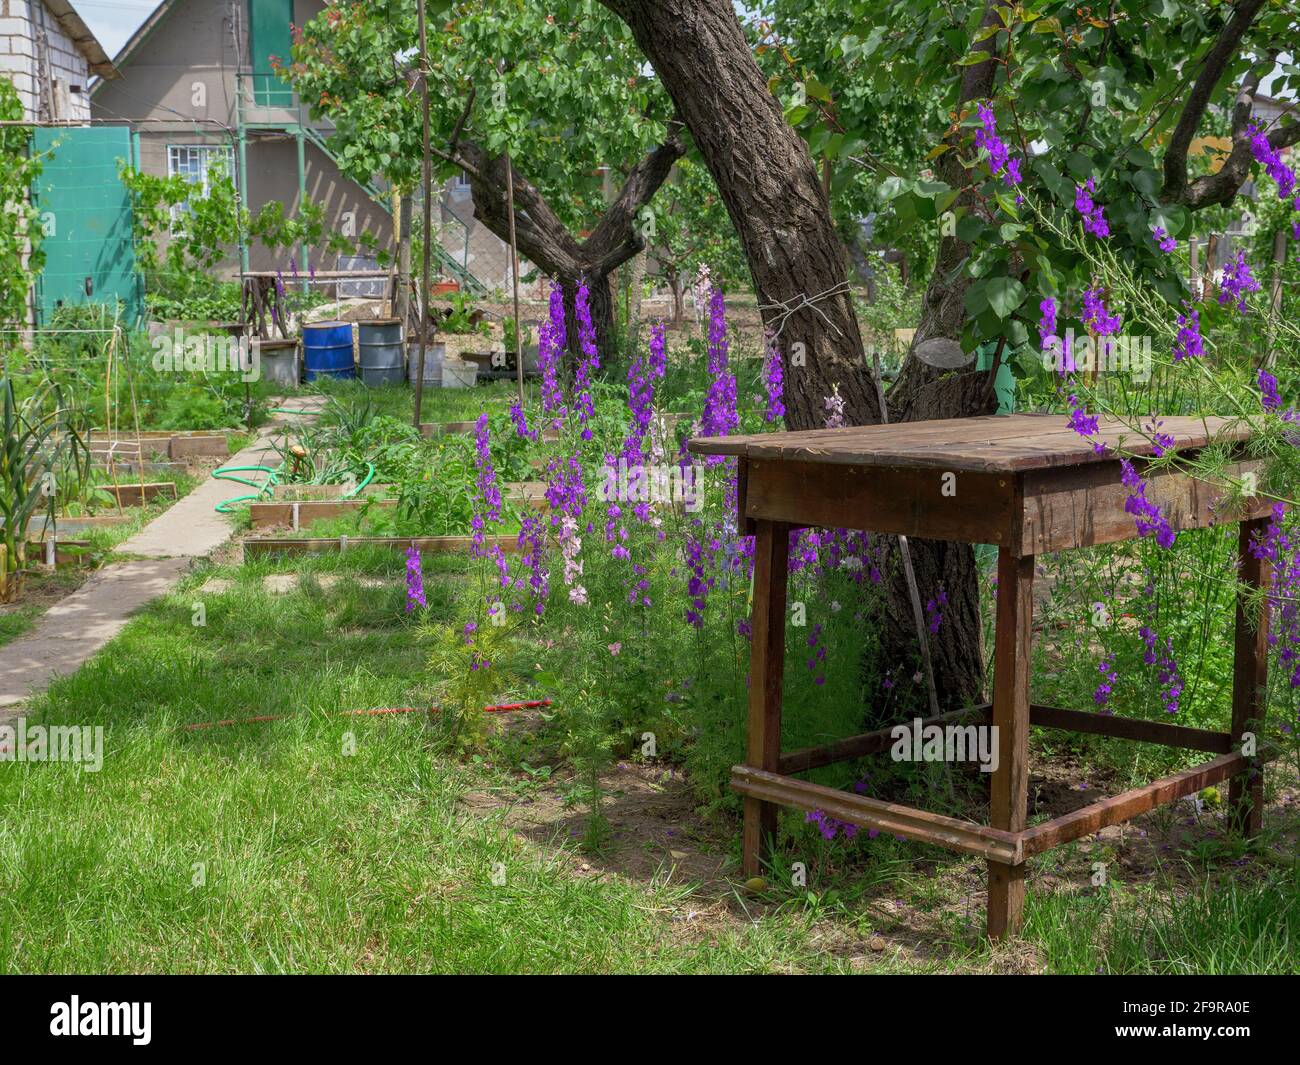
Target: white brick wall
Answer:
pixel 18 61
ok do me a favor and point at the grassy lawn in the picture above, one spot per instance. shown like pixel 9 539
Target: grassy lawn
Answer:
pixel 436 405
pixel 321 842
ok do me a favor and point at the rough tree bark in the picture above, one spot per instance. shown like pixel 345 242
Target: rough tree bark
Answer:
pixel 779 208
pixel 545 241
pixel 772 193
pixel 780 212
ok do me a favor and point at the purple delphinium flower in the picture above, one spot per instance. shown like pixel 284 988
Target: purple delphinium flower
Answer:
pixel 719 417
pixel 414 580
pixel 1237 282
pixel 816 664
pixel 1163 240
pixel 1081 421
pixel 828 826
pixel 1189 343
pixel 1094 217
pixel 489 498
pixel 1282 550
pixel 1106 667
pixel 532 554
pixel 1147 515
pixel 550 348
pixel 590 361
pixel 1268 390
pixel 1161 655
pixel 1046 322
pixel 1095 315
pixel 521 422
pixel 934 611
pixel 774 383
pixel 1271 159
pixel 1162 442
pixel 1000 160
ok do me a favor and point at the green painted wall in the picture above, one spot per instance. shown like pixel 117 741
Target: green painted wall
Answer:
pixel 89 254
pixel 269 34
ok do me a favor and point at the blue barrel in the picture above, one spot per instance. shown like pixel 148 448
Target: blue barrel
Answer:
pixel 382 360
pixel 327 350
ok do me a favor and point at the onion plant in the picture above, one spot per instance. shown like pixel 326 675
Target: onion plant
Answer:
pixel 44 455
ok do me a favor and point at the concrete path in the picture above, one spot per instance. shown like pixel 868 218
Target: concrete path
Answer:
pixel 75 628
pixel 72 631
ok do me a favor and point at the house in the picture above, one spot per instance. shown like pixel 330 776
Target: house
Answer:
pixel 50 55
pixel 198 87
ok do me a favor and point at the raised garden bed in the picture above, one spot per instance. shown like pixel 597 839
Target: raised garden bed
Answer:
pixel 270 546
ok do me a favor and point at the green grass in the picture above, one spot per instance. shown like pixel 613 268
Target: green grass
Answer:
pixel 1224 928
pixel 315 843
pixel 436 405
pixel 336 844
pixel 18 622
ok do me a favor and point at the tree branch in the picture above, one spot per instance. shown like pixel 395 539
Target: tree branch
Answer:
pixel 615 231
pixel 1216 61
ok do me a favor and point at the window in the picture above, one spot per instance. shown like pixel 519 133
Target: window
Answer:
pixel 199 164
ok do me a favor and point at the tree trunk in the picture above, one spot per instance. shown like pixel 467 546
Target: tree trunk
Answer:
pixel 545 241
pixel 772 193
pixel 600 301
pixel 781 214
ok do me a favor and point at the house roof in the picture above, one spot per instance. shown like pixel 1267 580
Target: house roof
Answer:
pixel 79 33
pixel 138 38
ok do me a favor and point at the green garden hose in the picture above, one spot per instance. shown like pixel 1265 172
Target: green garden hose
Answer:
pixel 370 476
pixel 227 473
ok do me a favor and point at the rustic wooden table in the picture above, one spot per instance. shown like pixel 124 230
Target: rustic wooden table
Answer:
pixel 1030 485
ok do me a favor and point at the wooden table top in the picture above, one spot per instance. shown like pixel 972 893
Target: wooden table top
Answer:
pixel 993 443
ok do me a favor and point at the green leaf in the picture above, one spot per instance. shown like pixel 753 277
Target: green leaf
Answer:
pixel 1004 294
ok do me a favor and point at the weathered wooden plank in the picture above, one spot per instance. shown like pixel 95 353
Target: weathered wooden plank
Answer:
pixel 994 443
pixel 1129 804
pixel 133 492
pixel 963 836
pixel 866 743
pixel 1130 728
pixel 1249 679
pixel 1009 789
pixel 941 504
pixel 182 447
pixel 325 544
pixel 766 673
pixel 1084 506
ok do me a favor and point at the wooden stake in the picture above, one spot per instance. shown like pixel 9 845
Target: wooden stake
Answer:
pixel 514 273
pixel 422 302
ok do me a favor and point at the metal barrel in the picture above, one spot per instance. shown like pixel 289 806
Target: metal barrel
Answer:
pixel 382 359
pixel 327 349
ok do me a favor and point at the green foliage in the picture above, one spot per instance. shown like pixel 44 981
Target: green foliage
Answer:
pixel 21 257
pixel 561 85
pixel 1099 93
pixel 44 455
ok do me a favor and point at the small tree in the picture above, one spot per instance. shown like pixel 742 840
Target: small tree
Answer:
pixel 559 86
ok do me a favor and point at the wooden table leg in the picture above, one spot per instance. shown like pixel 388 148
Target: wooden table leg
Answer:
pixel 1249 679
pixel 1009 790
pixel 766 667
